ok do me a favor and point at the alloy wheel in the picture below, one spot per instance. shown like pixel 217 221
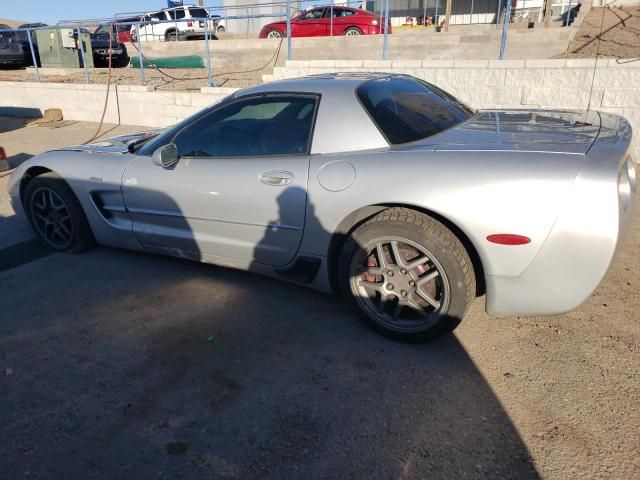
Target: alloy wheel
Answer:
pixel 399 284
pixel 51 218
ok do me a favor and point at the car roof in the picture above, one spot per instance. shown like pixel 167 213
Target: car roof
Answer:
pixel 320 83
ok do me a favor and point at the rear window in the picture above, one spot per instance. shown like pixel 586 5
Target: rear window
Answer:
pixel 408 109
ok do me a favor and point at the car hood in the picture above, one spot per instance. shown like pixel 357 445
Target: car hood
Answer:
pixel 570 132
pixel 119 144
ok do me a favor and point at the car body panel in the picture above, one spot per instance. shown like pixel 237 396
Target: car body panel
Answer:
pixel 553 177
pixel 219 206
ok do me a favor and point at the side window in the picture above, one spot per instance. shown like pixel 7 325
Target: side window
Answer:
pixel 313 14
pixel 197 12
pixel 180 13
pixel 259 126
pixel 172 14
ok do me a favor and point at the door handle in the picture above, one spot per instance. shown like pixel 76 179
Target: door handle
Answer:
pixel 276 178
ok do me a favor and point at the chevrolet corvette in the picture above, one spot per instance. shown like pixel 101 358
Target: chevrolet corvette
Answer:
pixel 380 187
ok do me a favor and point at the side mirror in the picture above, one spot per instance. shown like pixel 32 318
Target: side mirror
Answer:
pixel 166 156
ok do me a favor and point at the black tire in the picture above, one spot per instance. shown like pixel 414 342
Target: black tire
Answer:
pixel 80 236
pixel 220 29
pixel 171 36
pixel 352 31
pixel 452 287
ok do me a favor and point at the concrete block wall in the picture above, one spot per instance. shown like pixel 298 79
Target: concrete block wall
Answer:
pixel 128 104
pixel 529 84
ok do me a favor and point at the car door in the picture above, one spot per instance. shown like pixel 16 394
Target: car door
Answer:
pixel 341 20
pixel 238 190
pixel 310 24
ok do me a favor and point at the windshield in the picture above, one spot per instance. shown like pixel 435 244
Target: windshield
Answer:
pixel 406 109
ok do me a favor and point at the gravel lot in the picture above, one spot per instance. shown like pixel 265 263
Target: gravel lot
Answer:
pixel 123 365
pixel 608 32
pixel 183 78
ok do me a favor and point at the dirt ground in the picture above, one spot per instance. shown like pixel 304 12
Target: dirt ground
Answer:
pixel 116 364
pixel 173 79
pixel 608 32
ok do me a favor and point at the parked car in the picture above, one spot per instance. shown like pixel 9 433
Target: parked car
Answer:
pixel 382 187
pixel 101 39
pixel 220 24
pixel 12 54
pixel 24 40
pixel 123 29
pixel 190 27
pixel 316 22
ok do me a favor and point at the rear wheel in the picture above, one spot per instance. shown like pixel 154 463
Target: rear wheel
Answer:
pixel 171 36
pixel 56 215
pixel 275 34
pixel 408 275
pixel 220 29
pixel 352 31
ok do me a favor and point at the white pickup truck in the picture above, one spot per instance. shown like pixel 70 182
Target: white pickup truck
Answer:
pixel 188 24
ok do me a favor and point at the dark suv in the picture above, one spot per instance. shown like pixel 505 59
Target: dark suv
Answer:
pixel 100 46
pixel 12 53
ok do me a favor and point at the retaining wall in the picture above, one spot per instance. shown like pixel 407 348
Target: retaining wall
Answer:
pixel 528 84
pixel 128 104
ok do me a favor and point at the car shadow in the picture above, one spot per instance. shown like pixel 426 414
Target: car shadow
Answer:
pixel 128 365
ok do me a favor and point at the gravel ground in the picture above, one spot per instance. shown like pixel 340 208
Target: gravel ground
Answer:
pixel 616 34
pixel 116 364
pixel 183 79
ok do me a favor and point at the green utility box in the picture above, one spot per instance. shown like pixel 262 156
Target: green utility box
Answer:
pixel 59 48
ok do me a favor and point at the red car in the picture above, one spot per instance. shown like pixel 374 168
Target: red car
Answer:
pixel 123 32
pixel 317 23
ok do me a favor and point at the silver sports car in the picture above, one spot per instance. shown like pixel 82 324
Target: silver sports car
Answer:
pixel 379 186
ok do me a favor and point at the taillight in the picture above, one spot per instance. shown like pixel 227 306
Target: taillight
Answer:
pixel 189 24
pixel 3 154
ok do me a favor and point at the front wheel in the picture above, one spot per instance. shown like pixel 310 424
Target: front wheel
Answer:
pixel 56 215
pixel 220 29
pixel 408 275
pixel 275 34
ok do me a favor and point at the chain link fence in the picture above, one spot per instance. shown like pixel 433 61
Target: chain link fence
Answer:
pixel 228 52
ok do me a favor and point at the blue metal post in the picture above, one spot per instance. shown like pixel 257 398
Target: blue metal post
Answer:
pixel 140 56
pixel 424 13
pixel 471 16
pixel 435 15
pixel 385 53
pixel 498 14
pixel 331 19
pixel 505 27
pixel 33 56
pixel 82 55
pixel 207 51
pixel 288 29
pixel 566 23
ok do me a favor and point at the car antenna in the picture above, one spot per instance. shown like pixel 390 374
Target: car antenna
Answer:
pixel 595 63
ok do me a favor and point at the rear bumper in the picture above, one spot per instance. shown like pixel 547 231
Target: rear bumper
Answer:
pixel 16 59
pixel 591 226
